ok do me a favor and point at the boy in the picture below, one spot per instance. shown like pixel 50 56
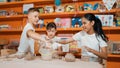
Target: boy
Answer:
pixel 51 38
pixel 29 35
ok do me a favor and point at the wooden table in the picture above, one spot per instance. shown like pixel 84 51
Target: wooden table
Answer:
pixel 55 63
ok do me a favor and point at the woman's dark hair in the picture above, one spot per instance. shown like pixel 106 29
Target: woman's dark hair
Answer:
pixel 97 25
pixel 51 25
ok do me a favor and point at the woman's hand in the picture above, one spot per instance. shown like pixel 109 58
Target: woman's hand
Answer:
pixel 102 53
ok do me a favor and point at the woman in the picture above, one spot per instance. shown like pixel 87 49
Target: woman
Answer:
pixel 91 39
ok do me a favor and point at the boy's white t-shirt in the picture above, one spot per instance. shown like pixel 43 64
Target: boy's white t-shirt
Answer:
pixel 26 43
pixel 54 45
pixel 90 41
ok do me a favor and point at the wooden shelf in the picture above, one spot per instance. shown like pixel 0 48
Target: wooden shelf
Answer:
pixel 62 14
pixel 10 30
pixel 97 12
pixel 118 10
pixel 61 29
pixel 113 55
pixel 111 28
pixel 14 16
pixel 69 29
pixel 38 2
pixel 59 14
pixel 26 2
pixel 41 29
pixel 73 14
pixel 58 29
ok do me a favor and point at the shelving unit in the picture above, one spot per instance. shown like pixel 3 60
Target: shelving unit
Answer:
pixel 21 19
pixel 112 32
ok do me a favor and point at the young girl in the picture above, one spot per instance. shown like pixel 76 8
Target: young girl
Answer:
pixel 91 39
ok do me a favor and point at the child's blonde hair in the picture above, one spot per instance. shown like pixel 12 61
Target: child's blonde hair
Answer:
pixel 33 10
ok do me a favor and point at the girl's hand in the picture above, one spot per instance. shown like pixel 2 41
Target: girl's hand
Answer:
pixel 88 49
